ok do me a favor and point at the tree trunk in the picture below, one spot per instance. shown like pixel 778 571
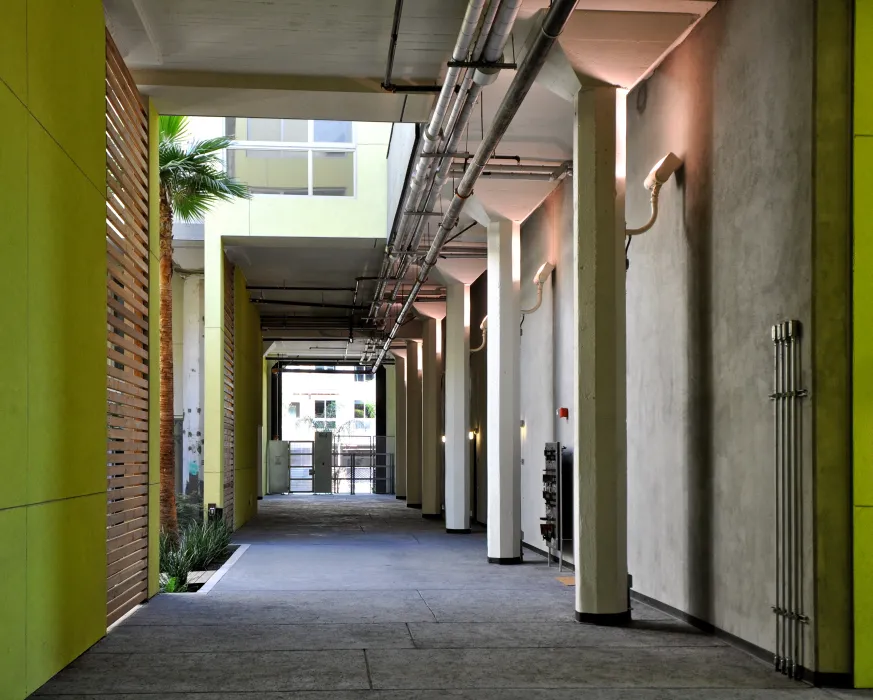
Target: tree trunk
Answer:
pixel 169 522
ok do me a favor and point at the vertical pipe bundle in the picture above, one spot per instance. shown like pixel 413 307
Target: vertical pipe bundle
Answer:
pixel 787 414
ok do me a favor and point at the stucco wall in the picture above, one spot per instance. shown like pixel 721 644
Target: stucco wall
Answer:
pixel 729 256
pixel 363 215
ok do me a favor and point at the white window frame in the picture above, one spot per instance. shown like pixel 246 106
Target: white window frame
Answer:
pixel 308 146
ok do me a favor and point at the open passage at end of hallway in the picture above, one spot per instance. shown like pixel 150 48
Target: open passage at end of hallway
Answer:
pixel 359 597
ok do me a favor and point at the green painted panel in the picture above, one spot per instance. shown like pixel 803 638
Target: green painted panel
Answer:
pixel 863 67
pixel 864 597
pixel 66 583
pixel 13 299
pixel 154 531
pixel 13 593
pixel 13 46
pixel 66 71
pixel 67 327
pixel 863 321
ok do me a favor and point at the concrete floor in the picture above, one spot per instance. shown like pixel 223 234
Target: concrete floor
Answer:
pixel 359 598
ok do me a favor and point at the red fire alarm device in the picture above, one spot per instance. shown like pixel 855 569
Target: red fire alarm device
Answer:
pixel 563 413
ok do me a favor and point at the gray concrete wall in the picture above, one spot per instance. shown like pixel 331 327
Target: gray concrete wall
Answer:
pixel 729 256
pixel 546 349
pixel 478 400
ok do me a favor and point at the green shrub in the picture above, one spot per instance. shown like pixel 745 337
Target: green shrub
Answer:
pixel 175 564
pixel 205 543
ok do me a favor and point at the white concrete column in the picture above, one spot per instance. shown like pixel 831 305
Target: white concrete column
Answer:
pixel 413 426
pixel 192 383
pixel 504 431
pixel 600 478
pixel 457 358
pixel 431 430
pixel 400 449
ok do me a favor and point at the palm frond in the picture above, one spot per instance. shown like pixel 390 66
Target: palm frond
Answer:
pixel 172 129
pixel 192 174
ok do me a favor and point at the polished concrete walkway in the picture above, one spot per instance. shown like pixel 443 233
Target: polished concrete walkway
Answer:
pixel 359 598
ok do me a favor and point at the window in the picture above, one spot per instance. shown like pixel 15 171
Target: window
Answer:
pixel 293 156
pixel 364 410
pixel 294 409
pixel 325 409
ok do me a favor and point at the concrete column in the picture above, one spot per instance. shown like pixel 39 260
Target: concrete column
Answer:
pixel 504 432
pixel 600 477
pixel 457 359
pixel 431 431
pixel 192 384
pixel 413 426
pixel 400 449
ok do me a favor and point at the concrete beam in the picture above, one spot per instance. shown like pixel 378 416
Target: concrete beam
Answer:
pixel 206 94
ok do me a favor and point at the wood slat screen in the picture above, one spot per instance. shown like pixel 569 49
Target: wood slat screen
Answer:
pixel 127 327
pixel 228 391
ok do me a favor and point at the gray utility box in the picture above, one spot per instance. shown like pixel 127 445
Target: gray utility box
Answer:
pixel 278 467
pixel 322 463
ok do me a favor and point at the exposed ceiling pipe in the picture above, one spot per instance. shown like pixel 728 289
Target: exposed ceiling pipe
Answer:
pixel 428 141
pixel 502 14
pixel 553 24
pixel 491 48
pixel 544 177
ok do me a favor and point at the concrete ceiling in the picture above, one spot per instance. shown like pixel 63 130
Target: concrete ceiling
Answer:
pixel 325 59
pixel 323 329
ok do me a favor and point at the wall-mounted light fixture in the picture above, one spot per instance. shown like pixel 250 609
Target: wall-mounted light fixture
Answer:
pixel 472 435
pixel 444 438
pixel 539 280
pixel 656 178
pixel 484 328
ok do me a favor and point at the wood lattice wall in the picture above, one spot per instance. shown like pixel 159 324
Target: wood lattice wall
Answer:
pixel 127 289
pixel 228 413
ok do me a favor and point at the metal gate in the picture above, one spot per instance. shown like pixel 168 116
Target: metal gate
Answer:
pixel 301 466
pixel 127 325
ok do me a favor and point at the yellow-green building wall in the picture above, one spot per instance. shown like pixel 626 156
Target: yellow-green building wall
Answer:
pixel 53 353
pixel 862 361
pixel 248 366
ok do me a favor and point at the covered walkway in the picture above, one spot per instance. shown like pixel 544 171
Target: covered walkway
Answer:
pixel 360 598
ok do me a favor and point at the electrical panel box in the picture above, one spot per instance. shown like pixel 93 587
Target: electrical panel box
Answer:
pixel 557 524
pixel 550 527
pixel 322 462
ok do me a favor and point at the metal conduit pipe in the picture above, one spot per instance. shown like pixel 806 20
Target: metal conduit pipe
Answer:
pixel 456 122
pixel 553 24
pixel 500 13
pixel 428 141
pixel 460 115
pixel 493 50
pixel 488 48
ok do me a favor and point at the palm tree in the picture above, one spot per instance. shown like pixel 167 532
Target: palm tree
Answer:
pixel 192 180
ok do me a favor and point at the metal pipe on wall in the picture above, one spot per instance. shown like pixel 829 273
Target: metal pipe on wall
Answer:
pixel 788 437
pixel 553 24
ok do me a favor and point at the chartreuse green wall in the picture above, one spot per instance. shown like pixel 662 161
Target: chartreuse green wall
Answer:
pixel 52 357
pixel 248 367
pixel 863 343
